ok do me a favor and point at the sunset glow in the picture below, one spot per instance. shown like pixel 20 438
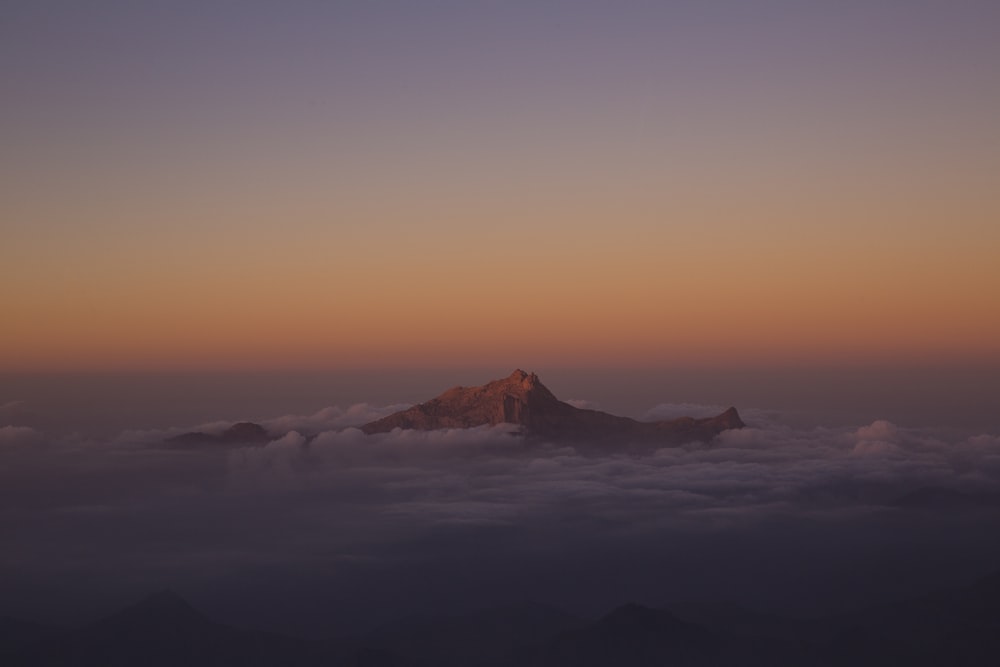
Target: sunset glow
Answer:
pixel 520 333
pixel 391 187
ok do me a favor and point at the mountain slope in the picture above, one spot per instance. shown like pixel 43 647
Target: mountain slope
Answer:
pixel 523 400
pixel 951 627
pixel 163 630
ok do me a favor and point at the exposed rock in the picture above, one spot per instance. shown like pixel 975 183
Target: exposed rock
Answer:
pixel 522 399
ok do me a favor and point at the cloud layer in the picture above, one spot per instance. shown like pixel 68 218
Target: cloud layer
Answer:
pixel 383 516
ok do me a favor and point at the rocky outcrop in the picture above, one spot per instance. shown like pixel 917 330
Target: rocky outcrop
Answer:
pixel 523 400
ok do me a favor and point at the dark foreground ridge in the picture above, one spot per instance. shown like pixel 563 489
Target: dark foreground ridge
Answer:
pixel 523 400
pixel 951 627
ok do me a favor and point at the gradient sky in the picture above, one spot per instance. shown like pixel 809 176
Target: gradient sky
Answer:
pixel 334 184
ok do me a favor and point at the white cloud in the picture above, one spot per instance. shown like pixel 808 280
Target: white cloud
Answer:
pixel 331 418
pixel 879 430
pixel 328 419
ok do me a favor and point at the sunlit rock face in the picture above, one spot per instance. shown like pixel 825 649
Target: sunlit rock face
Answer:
pixel 522 399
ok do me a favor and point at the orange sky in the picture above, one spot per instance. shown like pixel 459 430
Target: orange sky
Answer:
pixel 671 215
pixel 553 293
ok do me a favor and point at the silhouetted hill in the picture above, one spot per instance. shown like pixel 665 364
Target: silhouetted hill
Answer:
pixel 163 630
pixel 237 434
pixel 954 627
pixel 523 400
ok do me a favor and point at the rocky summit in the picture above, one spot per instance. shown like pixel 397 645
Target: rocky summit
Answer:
pixel 523 400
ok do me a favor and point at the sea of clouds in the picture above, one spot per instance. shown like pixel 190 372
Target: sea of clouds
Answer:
pixel 773 514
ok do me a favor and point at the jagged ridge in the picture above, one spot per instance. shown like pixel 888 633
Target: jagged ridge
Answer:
pixel 523 400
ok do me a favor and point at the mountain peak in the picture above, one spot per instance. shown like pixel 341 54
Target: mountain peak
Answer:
pixel 730 419
pixel 523 377
pixel 245 432
pixel 522 399
pixel 158 612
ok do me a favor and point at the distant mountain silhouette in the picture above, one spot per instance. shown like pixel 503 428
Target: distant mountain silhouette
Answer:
pixel 237 434
pixel 523 400
pixel 163 630
pixel 161 613
pixel 953 627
